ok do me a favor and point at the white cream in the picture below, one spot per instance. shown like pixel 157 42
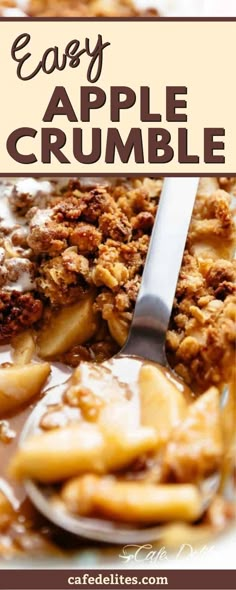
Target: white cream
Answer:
pixel 40 188
pixel 22 284
pixel 41 217
pixel 8 219
pixel 95 180
pixel 33 187
pixel 12 12
pixel 23 4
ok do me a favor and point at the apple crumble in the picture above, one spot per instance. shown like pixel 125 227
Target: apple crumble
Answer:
pixel 84 246
pixel 74 8
pixel 72 254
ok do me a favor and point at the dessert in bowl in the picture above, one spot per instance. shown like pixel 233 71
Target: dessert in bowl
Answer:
pixel 72 256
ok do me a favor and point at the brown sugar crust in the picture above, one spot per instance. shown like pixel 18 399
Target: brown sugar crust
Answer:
pixel 18 311
pixel 80 8
pixel 73 8
pixel 98 236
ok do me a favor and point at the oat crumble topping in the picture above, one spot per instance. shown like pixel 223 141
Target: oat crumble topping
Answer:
pixel 76 249
pixel 96 238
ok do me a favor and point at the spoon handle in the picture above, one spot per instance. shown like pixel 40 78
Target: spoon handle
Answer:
pixel 155 300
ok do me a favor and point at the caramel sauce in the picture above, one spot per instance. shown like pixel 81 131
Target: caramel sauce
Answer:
pixel 28 525
pixel 29 531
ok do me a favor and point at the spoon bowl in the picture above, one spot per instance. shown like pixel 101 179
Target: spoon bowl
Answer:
pixel 146 342
pixel 99 529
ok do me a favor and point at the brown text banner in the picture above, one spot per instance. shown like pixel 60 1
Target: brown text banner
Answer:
pixel 100 579
pixel 153 96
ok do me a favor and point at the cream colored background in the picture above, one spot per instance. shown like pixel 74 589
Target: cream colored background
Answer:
pixel 199 55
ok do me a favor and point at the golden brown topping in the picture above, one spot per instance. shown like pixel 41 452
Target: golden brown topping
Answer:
pixel 63 278
pixel 116 227
pixel 86 237
pixel 99 236
pixel 143 222
pixel 50 238
pixel 221 277
pixel 73 8
pixel 18 311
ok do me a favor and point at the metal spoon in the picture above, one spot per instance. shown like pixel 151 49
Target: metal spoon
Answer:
pixel 146 340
